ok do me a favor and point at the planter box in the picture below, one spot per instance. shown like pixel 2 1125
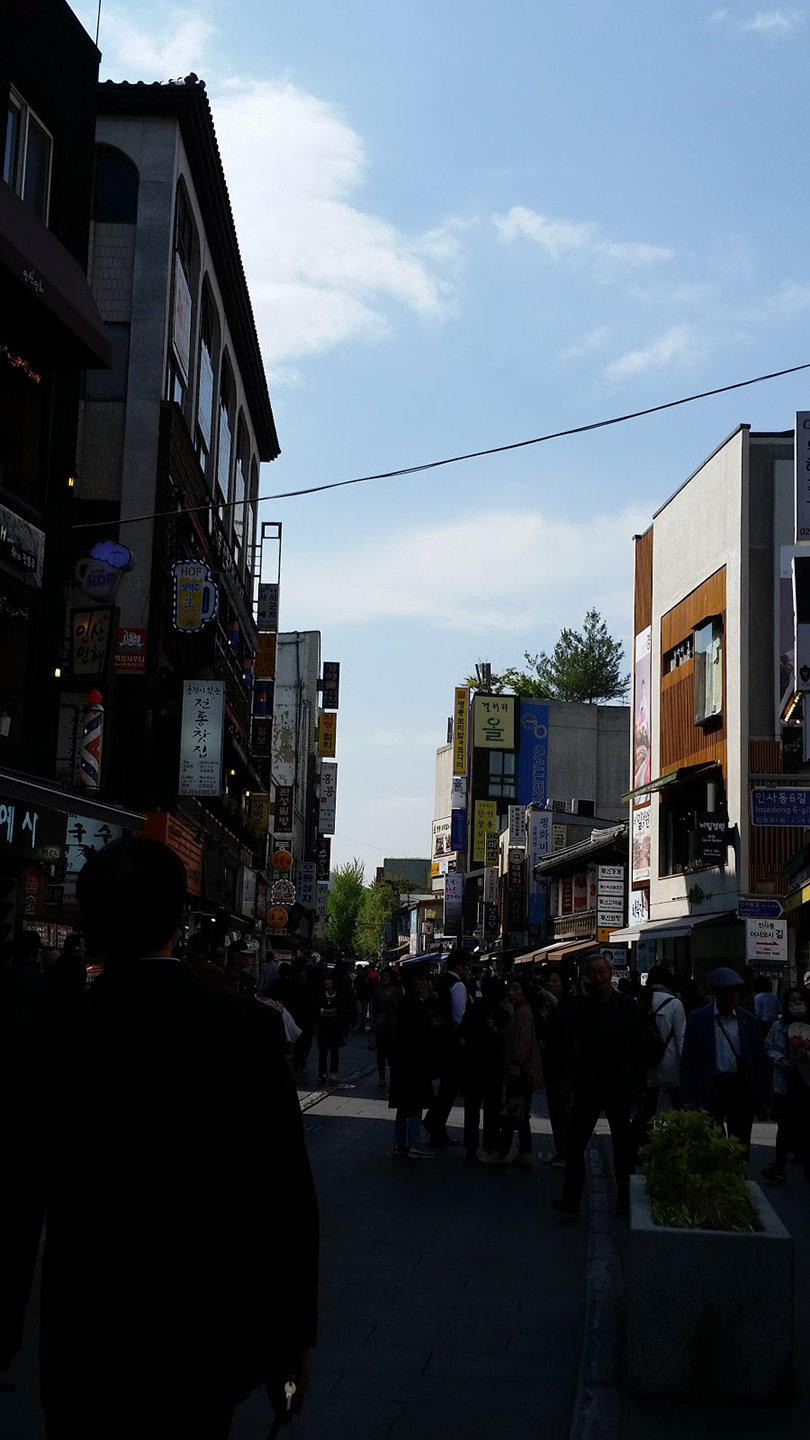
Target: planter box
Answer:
pixel 709 1312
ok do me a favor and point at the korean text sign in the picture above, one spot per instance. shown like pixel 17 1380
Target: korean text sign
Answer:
pixel 201 737
pixel 494 722
pixel 485 823
pixel 462 705
pixel 327 733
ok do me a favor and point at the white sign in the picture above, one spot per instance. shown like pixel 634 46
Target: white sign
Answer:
pixel 284 744
pixel 328 806
pixel 802 486
pixel 766 941
pixel 267 608
pixel 306 876
pixel 639 907
pixel 453 895
pixel 610 872
pixel 517 825
pixel 458 793
pixel 181 328
pixel 610 887
pixel 612 903
pixel 441 837
pixel 84 836
pixel 248 906
pixel 490 885
pixel 201 737
pixel 641 843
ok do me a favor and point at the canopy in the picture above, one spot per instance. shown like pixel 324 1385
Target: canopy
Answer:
pixel 559 951
pixel 673 929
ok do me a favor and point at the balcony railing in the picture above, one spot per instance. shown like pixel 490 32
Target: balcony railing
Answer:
pixel 581 925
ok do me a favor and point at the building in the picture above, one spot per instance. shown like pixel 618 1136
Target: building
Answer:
pixel 587 895
pixel 718 770
pixel 417 872
pixel 51 335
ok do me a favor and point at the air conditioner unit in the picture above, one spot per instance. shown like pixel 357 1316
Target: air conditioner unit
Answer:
pixel 556 805
pixel 583 807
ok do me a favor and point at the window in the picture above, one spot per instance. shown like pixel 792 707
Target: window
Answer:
pixel 225 439
pixel 240 485
pixel 250 519
pixel 175 384
pixel 708 670
pixel 685 813
pixel 679 655
pixel 205 392
pixel 184 233
pixel 115 188
pixel 111 384
pixel 502 773
pixel 27 156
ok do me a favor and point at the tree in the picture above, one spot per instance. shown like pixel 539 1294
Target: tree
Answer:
pixel 343 905
pixel 584 666
pixel 380 901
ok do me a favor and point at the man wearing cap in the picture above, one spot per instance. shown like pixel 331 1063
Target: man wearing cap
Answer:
pixel 723 1067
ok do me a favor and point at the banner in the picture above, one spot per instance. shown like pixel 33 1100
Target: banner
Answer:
pixel 330 693
pixel 328 803
pixel 458 793
pixel 641 844
pixel 490 885
pixel 538 843
pixel 642 705
pixel 485 823
pixel 453 901
pixel 517 825
pixel 283 823
pixel 260 811
pixel 324 861
pixel 462 707
pixel 494 722
pixel 91 632
pixel 130 651
pixel 267 608
pixel 264 667
pixel 201 736
pixel 306 877
pixel 441 838
pixel 327 733
pixel 458 831
pixel 532 766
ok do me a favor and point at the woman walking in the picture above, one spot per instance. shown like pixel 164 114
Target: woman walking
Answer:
pixel 523 1074
pixel 411 1089
pixel 329 1030
pixel 385 1012
pixel 788 1046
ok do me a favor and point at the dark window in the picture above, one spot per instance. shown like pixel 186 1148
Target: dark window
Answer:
pixel 240 484
pixel 175 384
pixel 224 451
pixel 111 384
pixel 250 518
pixel 184 233
pixel 27 156
pixel 502 773
pixel 205 394
pixel 115 191
pixel 680 808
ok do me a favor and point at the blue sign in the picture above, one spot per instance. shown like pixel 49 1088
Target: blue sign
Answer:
pixel 538 905
pixel 532 776
pixel 778 805
pixel 458 829
pixel 759 909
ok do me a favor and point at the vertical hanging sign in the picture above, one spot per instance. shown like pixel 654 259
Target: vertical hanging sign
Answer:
pixel 801 450
pixel 201 737
pixel 462 708
pixel 328 802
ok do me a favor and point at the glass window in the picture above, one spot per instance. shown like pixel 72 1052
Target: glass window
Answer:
pixel 115 188
pixel 27 156
pixel 225 439
pixel 205 393
pixel 708 670
pixel 240 487
pixel 184 233
pixel 11 158
pixel 502 773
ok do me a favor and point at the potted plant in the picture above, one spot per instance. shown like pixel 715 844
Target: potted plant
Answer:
pixel 708 1260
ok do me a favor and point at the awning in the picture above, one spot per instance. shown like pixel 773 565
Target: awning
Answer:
pixel 70 802
pixel 559 951
pixel 675 928
pixel 54 282
pixel 675 777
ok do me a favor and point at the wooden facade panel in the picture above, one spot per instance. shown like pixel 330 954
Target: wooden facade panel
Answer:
pixel 643 581
pixel 764 757
pixel 708 599
pixel 770 848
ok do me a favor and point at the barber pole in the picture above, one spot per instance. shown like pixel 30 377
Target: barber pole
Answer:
pixel 92 739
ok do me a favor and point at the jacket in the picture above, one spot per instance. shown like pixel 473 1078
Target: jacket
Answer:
pixel 412 1056
pixel 778 1047
pixel 608 1046
pixel 159 1108
pixel 699 1062
pixel 521 1047
pixel 670 1022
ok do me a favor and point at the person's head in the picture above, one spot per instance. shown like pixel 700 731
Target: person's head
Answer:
pixel 28 947
pixel 794 1006
pixel 461 962
pixel 599 978
pixel 727 987
pixel 386 979
pixel 329 981
pixel 660 975
pixel 493 989
pixel 416 980
pixel 763 986
pixel 303 976
pixel 517 991
pixel 197 946
pixel 131 896
pixel 74 946
pixel 554 984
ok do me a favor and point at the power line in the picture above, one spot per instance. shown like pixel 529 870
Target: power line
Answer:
pixel 452 459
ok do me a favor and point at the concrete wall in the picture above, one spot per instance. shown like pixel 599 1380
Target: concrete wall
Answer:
pixel 587 755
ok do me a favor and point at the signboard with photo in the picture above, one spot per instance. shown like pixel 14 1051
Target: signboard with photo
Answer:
pixel 642 705
pixel 642 840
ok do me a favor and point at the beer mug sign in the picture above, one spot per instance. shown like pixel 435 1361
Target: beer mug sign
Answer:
pixel 196 595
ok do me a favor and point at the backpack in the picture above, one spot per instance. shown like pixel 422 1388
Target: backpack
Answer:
pixel 655 1045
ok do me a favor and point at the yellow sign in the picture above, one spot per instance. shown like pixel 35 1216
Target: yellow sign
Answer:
pixel 265 664
pixel 282 860
pixel 485 823
pixel 603 934
pixel 493 848
pixel 460 730
pixel 277 917
pixel 327 733
pixel 435 869
pixel 260 811
pixel 494 722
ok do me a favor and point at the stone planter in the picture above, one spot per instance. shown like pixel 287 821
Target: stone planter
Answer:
pixel 709 1312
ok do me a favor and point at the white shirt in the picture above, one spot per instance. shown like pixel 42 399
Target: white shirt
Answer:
pixel 726 1043
pixel 458 1001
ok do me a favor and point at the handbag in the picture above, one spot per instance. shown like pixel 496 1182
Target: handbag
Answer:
pixel 514 1106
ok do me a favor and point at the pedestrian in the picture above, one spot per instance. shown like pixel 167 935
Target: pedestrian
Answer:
pixel 362 999
pixel 450 1004
pixel 328 1030
pixel 269 973
pixel 766 1005
pixel 668 1017
pixel 238 971
pixel 522 1075
pixel 385 1012
pixel 303 1006
pixel 608 1076
pixel 557 1045
pixel 345 998
pixel 198 962
pixel 67 977
pixel 482 1073
pixel 411 1089
pixel 156 1319
pixel 788 1047
pixel 723 1065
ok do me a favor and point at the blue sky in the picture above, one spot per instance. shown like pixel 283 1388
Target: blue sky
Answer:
pixel 465 225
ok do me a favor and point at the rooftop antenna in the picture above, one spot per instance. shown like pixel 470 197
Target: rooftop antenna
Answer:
pixel 98 22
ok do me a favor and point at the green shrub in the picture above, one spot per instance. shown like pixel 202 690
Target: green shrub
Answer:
pixel 696 1176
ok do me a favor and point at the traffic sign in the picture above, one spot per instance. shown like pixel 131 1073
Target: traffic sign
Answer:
pixel 750 908
pixel 766 941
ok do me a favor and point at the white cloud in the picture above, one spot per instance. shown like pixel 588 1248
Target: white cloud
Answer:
pixel 676 343
pixel 407 577
pixel 594 340
pixel 773 22
pixel 718 16
pixel 180 46
pixel 577 242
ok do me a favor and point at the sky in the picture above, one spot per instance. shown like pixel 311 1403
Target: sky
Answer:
pixel 463 226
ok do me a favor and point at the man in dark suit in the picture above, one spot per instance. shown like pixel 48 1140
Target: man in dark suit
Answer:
pixel 608 1075
pixel 162 1121
pixel 723 1066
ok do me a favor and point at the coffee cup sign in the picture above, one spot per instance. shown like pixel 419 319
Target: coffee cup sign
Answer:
pixel 99 574
pixel 196 596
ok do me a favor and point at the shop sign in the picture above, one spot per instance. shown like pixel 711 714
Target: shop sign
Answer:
pixel 22 548
pixel 517 825
pixel 712 838
pixel 462 707
pixel 516 872
pixel 557 837
pixel 766 942
pixel 641 844
pixel 261 737
pixel 532 776
pixel 282 861
pixel 490 918
pixel 453 898
pixel 259 811
pixel 802 485
pixel 639 907
pixel 182 840
pixel 485 822
pixel 306 878
pixel 196 596
pixel 322 900
pixel 494 722
pixel 90 635
pixel 330 695
pixel 99 574
pixel 267 608
pixel 130 650
pixel 30 833
pixel 327 734
pixel 282 892
pixel 490 885
pixel 441 838
pixel 538 843
pixel 277 917
pixel 642 706
pixel 324 861
pixel 264 667
pixel 328 801
pixel 283 823
pixel 247 905
pixel 780 806
pixel 492 849
pixel 458 793
pixel 458 830
pixel 201 737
